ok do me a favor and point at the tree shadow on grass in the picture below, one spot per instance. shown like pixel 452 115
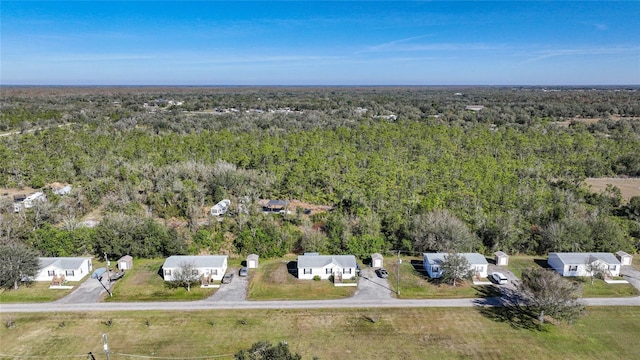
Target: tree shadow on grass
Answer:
pixel 508 308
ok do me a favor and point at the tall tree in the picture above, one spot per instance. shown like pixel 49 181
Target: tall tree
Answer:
pixel 455 267
pixel 185 276
pixel 16 263
pixel 442 231
pixel 548 294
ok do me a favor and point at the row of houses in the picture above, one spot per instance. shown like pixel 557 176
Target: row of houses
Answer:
pixel 211 268
pixel 565 263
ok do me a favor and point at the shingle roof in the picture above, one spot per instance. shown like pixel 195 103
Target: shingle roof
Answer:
pixel 62 262
pixel 317 261
pixel 472 258
pixel 215 261
pixel 582 258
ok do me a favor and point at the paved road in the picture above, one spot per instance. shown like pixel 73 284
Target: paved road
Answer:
pixel 372 292
pixel 310 304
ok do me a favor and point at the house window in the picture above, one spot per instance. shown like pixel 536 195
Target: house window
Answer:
pixel 51 273
pixel 69 272
pixel 573 268
pixel 435 269
pixel 327 271
pixel 347 271
pixel 612 268
pixel 306 271
pixel 214 272
pixel 167 273
pixel 194 272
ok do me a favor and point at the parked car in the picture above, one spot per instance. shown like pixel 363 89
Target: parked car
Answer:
pixel 382 272
pixel 243 271
pixel 227 278
pixel 499 278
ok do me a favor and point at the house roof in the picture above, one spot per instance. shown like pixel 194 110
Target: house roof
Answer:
pixel 252 257
pixel 62 262
pixel 500 253
pixel 583 258
pixel 472 258
pixel 126 258
pixel 175 261
pixel 376 256
pixel 622 253
pixel 318 261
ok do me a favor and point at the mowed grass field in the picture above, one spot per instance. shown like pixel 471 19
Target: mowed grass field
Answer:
pixel 417 333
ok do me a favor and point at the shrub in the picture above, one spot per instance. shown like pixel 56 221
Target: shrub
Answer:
pixel 316 278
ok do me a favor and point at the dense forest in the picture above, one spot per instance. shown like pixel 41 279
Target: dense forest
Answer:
pixel 403 168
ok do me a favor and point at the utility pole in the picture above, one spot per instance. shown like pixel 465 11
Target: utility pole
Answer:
pixel 398 277
pixel 106 259
pixel 105 346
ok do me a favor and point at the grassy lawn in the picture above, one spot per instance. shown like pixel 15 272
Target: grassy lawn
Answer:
pixel 446 333
pixel 602 289
pixel 36 292
pixel 144 283
pixel 39 291
pixel 415 283
pixel 274 281
pixel 518 263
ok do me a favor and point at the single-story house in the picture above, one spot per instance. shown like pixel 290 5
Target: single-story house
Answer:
pixel 207 267
pixel 313 264
pixel 275 206
pixel 575 264
pixel 125 262
pixel 65 268
pixel 433 263
pixel 625 259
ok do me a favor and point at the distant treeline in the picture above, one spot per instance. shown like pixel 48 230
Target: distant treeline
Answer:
pixel 434 176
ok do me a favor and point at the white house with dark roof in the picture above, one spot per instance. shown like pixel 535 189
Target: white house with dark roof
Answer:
pixel 63 268
pixel 433 263
pixel 207 267
pixel 313 264
pixel 575 264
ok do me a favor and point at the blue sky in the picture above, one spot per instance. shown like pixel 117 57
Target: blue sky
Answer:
pixel 320 43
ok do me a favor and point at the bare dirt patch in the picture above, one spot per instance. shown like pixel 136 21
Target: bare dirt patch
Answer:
pixel 629 187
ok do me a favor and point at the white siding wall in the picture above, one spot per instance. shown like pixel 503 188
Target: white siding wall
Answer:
pixel 217 271
pixel 310 273
pixel 70 274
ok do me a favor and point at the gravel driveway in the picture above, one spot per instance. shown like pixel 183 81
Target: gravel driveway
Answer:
pixel 232 292
pixel 371 287
pixel 88 292
pixel 631 275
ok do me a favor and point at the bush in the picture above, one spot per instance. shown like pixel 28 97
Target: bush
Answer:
pixel 316 278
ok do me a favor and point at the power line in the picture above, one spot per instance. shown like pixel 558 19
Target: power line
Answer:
pixel 172 358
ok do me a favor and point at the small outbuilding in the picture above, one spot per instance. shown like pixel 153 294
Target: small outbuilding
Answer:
pixel 252 261
pixel 125 263
pixel 625 259
pixel 377 260
pixel 501 258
